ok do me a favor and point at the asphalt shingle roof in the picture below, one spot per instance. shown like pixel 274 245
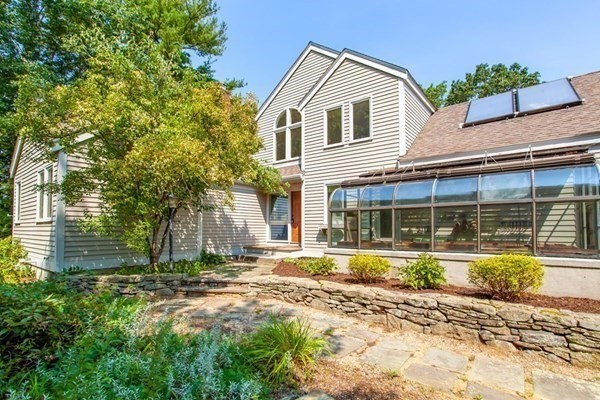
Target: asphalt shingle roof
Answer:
pixel 442 135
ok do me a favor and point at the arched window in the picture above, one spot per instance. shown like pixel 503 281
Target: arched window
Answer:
pixel 288 135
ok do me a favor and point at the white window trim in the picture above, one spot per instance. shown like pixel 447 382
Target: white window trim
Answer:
pixel 45 175
pixel 287 224
pixel 326 128
pixel 288 136
pixel 351 111
pixel 17 205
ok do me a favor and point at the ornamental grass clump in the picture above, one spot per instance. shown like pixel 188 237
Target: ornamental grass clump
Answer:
pixel 368 268
pixel 283 349
pixel 507 277
pixel 424 273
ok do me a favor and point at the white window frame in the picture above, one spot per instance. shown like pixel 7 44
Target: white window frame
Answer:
pixel 44 206
pixel 288 136
pixel 287 222
pixel 352 103
pixel 326 127
pixel 17 205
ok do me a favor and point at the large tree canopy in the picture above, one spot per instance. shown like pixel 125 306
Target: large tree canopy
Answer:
pixel 485 81
pixel 150 125
pixel 148 128
pixel 37 34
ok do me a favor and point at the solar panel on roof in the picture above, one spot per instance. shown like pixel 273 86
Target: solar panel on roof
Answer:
pixel 547 95
pixel 490 108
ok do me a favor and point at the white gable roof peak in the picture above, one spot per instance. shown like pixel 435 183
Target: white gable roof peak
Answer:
pixel 310 47
pixel 372 62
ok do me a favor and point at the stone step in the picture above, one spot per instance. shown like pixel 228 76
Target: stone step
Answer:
pixel 198 290
pixel 205 284
pixel 257 259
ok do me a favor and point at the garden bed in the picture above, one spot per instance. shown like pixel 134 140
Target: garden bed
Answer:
pixel 537 300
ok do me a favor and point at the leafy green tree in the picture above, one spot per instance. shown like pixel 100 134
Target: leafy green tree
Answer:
pixel 38 32
pixel 485 81
pixel 437 93
pixel 151 129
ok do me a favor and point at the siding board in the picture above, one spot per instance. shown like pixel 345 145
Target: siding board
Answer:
pixel 88 250
pixel 352 81
pixel 307 74
pixel 226 230
pixel 416 116
pixel 37 237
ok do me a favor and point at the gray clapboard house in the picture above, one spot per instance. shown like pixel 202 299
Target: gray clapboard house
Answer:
pixel 373 167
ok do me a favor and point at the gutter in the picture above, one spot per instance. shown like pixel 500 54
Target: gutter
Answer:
pixel 513 165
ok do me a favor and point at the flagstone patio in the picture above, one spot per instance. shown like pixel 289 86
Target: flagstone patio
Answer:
pixel 456 369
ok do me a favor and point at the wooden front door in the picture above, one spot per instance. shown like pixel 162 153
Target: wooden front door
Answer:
pixel 296 216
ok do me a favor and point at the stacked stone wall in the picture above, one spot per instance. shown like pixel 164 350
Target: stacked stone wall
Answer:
pixel 558 334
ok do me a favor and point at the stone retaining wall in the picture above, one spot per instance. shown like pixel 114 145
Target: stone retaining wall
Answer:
pixel 558 334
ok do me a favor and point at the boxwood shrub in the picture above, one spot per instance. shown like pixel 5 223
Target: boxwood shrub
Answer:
pixel 317 266
pixel 508 276
pixel 368 267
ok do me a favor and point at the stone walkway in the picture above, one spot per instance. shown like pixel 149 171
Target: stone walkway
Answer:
pixel 476 376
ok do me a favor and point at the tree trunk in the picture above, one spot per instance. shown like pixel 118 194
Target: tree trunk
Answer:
pixel 164 235
pixel 154 249
pixel 158 240
pixel 153 258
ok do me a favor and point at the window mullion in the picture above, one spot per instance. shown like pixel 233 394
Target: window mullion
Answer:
pixel 288 143
pixel 288 134
pixel 533 216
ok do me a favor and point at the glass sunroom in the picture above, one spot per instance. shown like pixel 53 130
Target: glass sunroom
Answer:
pixel 545 212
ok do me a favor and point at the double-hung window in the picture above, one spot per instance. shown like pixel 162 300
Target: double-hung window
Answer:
pixel 44 199
pixel 288 135
pixel 333 123
pixel 361 119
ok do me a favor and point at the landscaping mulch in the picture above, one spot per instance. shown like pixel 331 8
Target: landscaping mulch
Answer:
pixel 353 380
pixel 537 300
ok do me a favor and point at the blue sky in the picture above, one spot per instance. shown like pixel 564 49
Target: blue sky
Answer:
pixel 435 40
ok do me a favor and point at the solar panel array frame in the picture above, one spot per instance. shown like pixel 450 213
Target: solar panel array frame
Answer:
pixel 568 97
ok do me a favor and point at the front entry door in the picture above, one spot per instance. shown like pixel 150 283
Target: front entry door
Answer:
pixel 296 216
